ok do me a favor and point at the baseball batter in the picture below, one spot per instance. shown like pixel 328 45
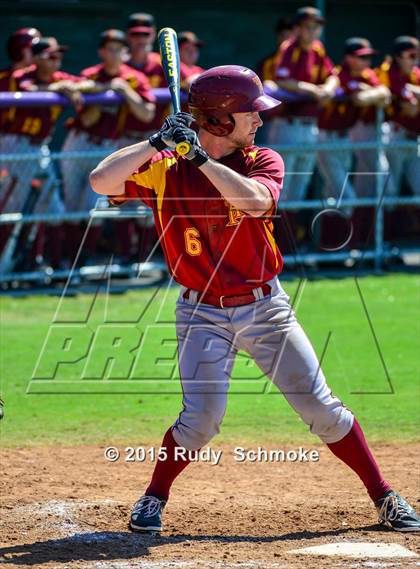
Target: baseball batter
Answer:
pixel 213 212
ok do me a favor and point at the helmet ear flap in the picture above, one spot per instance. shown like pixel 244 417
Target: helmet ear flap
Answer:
pixel 213 124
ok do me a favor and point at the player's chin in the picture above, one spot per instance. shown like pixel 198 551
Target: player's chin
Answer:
pixel 251 138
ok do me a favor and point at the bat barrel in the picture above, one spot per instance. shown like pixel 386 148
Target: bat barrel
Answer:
pixel 169 53
pixel 168 47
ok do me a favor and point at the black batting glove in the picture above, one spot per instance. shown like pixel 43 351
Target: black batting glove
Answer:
pixel 197 155
pixel 163 138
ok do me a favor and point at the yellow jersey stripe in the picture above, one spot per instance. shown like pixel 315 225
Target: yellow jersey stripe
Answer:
pixel 271 240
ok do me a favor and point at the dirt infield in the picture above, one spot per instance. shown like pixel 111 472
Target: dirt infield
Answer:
pixel 68 508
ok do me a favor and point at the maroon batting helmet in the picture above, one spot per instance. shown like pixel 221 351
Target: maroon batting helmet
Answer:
pixel 223 90
pixel 19 40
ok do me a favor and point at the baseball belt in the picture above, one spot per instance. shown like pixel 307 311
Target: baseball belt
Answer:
pixel 229 301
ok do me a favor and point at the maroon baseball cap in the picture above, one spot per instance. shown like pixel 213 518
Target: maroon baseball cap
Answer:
pixel 112 35
pixel 189 37
pixel 141 23
pixel 42 46
pixel 20 39
pixel 359 46
pixel 308 13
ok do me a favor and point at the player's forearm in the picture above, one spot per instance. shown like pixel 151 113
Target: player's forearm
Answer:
pixel 141 109
pixel 85 86
pixel 414 89
pixel 68 85
pixel 331 85
pixel 243 193
pixel 375 96
pixel 109 175
pixel 297 86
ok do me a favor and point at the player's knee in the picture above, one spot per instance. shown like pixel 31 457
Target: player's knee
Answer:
pixel 331 422
pixel 195 428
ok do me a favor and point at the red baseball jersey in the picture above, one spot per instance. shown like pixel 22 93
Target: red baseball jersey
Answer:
pixel 389 74
pixel 266 68
pixel 152 69
pixel 154 72
pixel 186 72
pixel 34 122
pixel 7 83
pixel 6 80
pixel 115 119
pixel 189 70
pixel 208 243
pixel 311 65
pixel 339 115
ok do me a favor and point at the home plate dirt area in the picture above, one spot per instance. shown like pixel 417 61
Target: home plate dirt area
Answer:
pixel 67 507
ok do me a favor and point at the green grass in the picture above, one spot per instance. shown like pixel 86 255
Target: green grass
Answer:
pixel 70 410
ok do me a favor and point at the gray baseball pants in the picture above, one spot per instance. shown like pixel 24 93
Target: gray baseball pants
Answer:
pixel 208 340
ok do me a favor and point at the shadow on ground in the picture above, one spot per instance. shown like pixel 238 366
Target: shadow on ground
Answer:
pixel 103 546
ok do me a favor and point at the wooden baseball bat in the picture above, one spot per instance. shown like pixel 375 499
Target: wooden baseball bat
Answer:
pixel 169 53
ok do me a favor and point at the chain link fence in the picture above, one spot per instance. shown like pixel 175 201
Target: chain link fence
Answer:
pixel 53 227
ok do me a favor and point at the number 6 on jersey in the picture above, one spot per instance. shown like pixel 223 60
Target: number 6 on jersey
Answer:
pixel 192 242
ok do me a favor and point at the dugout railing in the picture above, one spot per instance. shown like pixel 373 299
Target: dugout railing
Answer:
pixel 46 160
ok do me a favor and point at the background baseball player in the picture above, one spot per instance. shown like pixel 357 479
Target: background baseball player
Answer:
pixel 402 76
pixel 267 66
pixel 19 51
pixel 303 68
pixel 141 35
pixel 362 94
pixel 29 129
pixel 189 53
pixel 370 165
pixel 99 128
pixel 218 242
pixel 266 70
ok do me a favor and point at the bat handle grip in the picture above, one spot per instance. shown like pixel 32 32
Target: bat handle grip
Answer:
pixel 183 148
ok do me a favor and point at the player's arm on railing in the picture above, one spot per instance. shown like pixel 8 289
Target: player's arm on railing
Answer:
pixel 109 176
pixel 330 86
pixel 319 92
pixel 414 89
pixel 71 89
pixel 141 109
pixel 83 86
pixel 379 96
pixel 295 86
